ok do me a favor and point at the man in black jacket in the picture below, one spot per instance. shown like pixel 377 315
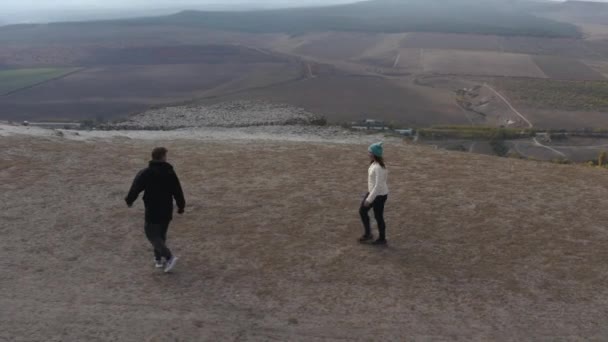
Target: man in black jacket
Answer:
pixel 160 185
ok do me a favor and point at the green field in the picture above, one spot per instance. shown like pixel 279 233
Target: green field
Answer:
pixel 11 80
pixel 554 94
pixel 474 133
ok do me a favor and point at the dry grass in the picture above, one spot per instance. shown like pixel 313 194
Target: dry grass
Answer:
pixel 480 63
pixel 481 248
pixel 386 44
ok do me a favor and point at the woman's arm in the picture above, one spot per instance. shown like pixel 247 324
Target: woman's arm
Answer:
pixel 374 193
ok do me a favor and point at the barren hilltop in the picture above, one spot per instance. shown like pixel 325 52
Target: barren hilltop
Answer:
pixel 481 248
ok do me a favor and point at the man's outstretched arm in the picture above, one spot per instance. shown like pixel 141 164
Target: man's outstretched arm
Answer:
pixel 178 194
pixel 136 188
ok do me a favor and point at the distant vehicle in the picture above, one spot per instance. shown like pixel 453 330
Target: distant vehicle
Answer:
pixel 26 123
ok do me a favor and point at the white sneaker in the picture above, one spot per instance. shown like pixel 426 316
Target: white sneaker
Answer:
pixel 159 263
pixel 170 264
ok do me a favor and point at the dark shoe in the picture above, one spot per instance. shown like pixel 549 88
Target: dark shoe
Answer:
pixel 366 238
pixel 380 242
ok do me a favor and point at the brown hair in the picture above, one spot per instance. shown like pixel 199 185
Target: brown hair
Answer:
pixel 159 153
pixel 379 160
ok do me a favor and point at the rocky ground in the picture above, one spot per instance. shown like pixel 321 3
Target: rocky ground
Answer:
pixel 227 114
pixel 297 133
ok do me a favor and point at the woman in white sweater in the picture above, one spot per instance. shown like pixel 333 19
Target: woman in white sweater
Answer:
pixel 376 196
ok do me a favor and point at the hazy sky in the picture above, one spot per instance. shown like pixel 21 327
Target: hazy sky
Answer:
pixel 19 11
pixel 38 5
pixel 13 5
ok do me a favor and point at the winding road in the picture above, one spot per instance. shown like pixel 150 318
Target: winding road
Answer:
pixel 530 125
pixel 397 60
pixel 509 104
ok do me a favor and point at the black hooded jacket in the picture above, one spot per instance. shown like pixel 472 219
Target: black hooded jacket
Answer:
pixel 160 185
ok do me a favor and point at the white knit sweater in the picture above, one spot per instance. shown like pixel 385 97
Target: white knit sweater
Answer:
pixel 376 182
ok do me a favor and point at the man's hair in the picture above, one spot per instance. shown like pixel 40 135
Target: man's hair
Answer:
pixel 159 153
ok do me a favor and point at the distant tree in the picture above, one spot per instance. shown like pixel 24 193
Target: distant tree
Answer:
pixel 100 119
pixel 603 159
pixel 88 124
pixel 499 147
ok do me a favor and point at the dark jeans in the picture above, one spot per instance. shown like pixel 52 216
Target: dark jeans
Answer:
pixel 378 206
pixel 157 235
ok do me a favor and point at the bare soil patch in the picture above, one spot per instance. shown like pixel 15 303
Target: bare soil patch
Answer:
pixel 117 91
pixel 181 54
pixel 411 60
pixel 337 45
pixel 342 98
pixel 480 248
pixel 386 44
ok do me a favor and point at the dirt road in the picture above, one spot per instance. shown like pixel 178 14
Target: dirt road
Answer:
pixel 534 140
pixel 537 143
pixel 508 103
pixel 397 60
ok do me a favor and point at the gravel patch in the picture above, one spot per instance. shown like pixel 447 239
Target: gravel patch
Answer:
pixel 228 114
pixel 294 133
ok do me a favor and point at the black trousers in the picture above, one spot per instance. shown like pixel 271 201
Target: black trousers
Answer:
pixel 157 235
pixel 378 206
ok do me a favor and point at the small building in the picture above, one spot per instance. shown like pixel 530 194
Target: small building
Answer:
pixel 543 136
pixel 408 132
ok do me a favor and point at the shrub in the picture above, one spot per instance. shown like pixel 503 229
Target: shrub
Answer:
pixel 602 160
pixel 476 132
pixel 561 161
pixel 499 147
pixel 515 155
pixel 87 124
pixel 321 121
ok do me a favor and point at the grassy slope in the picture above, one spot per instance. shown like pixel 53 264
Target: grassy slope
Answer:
pixel 11 80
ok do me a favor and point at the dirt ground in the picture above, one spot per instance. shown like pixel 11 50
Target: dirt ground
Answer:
pixel 481 248
pixel 347 98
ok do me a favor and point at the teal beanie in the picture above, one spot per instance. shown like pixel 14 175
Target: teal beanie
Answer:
pixel 376 149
